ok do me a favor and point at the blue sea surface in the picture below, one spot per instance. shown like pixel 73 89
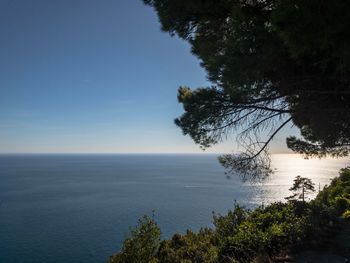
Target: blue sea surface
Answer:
pixel 77 208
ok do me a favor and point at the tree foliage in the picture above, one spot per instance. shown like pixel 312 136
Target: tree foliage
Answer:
pixel 302 187
pixel 337 195
pixel 272 63
pixel 191 247
pixel 141 244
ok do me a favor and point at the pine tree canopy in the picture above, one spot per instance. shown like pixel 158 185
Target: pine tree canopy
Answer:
pixel 272 64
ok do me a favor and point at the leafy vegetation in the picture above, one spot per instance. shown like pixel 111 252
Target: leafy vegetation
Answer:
pixel 244 235
pixel 191 247
pixel 141 244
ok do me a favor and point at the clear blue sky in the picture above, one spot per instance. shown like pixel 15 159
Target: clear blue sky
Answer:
pixel 92 76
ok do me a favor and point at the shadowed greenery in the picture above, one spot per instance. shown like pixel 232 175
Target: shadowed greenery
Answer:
pixel 141 244
pixel 272 63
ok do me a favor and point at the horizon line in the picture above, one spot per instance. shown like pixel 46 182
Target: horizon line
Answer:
pixel 116 153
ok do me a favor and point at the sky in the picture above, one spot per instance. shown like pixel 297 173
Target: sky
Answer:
pixel 94 76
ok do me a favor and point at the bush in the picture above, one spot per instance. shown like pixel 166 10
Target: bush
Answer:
pixel 345 175
pixel 346 215
pixel 141 244
pixel 248 242
pixel 262 231
pixel 341 204
pixel 227 225
pixel 190 247
pixel 336 196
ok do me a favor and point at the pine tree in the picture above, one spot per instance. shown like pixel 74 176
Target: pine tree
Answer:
pixel 271 64
pixel 302 187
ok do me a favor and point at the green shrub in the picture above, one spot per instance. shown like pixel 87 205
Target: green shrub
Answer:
pixel 141 244
pixel 346 215
pixel 262 231
pixel 336 196
pixel 190 247
pixel 248 242
pixel 341 204
pixel 345 175
pixel 227 225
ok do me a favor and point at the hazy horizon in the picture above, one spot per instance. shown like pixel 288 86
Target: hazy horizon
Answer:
pixel 199 153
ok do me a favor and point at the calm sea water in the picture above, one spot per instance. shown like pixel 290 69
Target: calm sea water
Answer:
pixel 76 208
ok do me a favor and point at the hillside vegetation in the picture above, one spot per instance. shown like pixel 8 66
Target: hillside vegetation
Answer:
pixel 266 234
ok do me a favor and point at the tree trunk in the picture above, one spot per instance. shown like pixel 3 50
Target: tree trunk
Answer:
pixel 303 195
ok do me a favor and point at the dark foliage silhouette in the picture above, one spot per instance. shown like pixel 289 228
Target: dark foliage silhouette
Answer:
pixel 273 64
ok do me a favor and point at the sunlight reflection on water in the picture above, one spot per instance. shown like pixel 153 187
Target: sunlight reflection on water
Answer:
pixel 286 167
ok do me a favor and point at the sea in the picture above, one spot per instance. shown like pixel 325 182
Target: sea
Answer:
pixel 79 207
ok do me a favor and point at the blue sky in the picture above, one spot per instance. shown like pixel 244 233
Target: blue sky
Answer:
pixel 92 76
